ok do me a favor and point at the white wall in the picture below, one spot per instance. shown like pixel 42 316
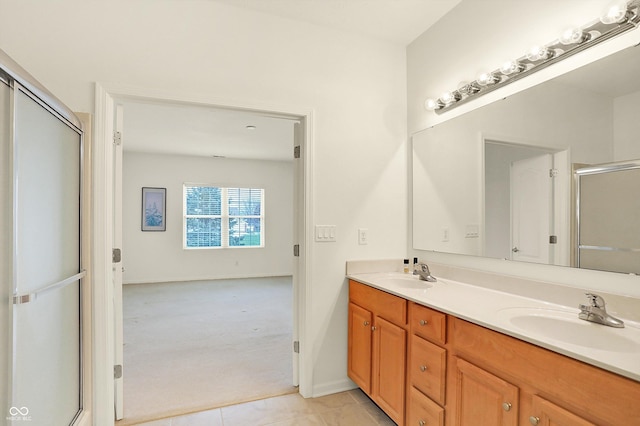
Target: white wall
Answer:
pixel 159 256
pixel 626 127
pixel 356 88
pixel 479 36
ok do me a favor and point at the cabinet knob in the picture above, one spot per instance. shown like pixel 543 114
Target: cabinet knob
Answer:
pixel 424 322
pixel 506 406
pixel 534 420
pixel 421 422
pixel 374 328
pixel 366 323
pixel 423 368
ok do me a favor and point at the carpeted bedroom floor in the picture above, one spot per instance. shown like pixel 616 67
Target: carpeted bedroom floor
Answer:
pixel 193 346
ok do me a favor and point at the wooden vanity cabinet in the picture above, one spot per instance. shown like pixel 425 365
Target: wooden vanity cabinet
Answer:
pixel 449 372
pixel 553 389
pixel 378 347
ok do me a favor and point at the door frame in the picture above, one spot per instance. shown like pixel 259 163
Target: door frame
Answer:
pixel 103 294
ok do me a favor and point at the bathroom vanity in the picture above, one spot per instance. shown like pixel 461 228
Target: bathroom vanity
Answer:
pixel 451 353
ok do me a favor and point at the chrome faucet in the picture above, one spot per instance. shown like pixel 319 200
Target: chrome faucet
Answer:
pixel 596 312
pixel 422 270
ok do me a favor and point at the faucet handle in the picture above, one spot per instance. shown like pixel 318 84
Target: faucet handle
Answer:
pixel 596 300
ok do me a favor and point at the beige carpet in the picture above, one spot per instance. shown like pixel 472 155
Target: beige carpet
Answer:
pixel 200 345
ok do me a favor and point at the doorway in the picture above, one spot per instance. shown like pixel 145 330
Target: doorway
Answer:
pixel 519 226
pixel 107 100
pixel 253 159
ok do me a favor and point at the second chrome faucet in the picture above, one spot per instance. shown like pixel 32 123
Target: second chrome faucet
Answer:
pixel 596 312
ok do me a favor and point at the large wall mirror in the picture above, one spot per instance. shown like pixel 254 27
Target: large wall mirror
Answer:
pixel 499 181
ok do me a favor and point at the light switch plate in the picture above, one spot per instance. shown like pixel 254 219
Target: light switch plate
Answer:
pixel 326 233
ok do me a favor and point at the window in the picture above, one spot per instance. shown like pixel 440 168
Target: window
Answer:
pixel 217 217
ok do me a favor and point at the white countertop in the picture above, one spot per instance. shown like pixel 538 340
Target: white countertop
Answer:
pixel 552 326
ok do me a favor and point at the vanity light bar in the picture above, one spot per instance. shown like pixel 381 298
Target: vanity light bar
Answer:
pixel 618 19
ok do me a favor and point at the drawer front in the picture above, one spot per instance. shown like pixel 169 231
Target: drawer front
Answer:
pixel 428 323
pixel 385 305
pixel 427 368
pixel 422 411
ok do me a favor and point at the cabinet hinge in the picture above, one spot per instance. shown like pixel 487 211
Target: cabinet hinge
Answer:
pixel 296 151
pixel 117 138
pixel 296 250
pixel 296 347
pixel 553 239
pixel 553 173
pixel 117 371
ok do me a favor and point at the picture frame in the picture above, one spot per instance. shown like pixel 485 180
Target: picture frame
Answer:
pixel 154 209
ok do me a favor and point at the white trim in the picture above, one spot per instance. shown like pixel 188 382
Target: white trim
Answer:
pixel 103 336
pixel 103 325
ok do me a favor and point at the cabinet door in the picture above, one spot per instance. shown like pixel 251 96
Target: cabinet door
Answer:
pixel 359 355
pixel 389 368
pixel 546 413
pixel 483 399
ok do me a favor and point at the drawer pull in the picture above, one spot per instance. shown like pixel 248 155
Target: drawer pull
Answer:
pixel 424 322
pixel 534 420
pixel 506 406
pixel 366 323
pixel 423 368
pixel 421 422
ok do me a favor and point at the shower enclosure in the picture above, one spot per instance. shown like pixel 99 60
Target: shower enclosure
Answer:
pixel 608 217
pixel 41 255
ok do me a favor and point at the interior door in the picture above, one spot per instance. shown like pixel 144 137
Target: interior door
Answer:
pixel 47 273
pixel 298 233
pixel 531 209
pixel 117 265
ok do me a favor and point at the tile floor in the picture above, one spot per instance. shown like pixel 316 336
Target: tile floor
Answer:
pixel 351 408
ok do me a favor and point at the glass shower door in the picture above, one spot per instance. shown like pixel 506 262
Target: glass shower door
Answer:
pixel 46 377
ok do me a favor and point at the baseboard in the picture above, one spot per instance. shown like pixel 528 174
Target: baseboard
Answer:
pixel 190 279
pixel 333 387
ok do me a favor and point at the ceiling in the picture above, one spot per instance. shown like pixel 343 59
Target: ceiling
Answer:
pixel 396 21
pixel 181 129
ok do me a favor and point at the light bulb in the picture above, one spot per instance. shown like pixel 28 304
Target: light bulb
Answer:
pixel 539 53
pixel 487 79
pixel 449 98
pixel 511 67
pixel 574 36
pixel 432 104
pixel 615 13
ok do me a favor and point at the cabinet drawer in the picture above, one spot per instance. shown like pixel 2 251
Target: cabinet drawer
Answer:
pixel 423 411
pixel 427 368
pixel 427 323
pixel 385 305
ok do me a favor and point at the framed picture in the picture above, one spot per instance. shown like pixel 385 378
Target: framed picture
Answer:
pixel 154 208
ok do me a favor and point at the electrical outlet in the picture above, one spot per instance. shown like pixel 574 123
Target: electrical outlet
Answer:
pixel 445 234
pixel 363 236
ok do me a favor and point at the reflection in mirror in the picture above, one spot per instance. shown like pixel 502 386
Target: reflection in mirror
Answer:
pixel 608 220
pixel 497 181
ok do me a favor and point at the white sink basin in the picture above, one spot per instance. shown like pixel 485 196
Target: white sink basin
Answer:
pixel 565 326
